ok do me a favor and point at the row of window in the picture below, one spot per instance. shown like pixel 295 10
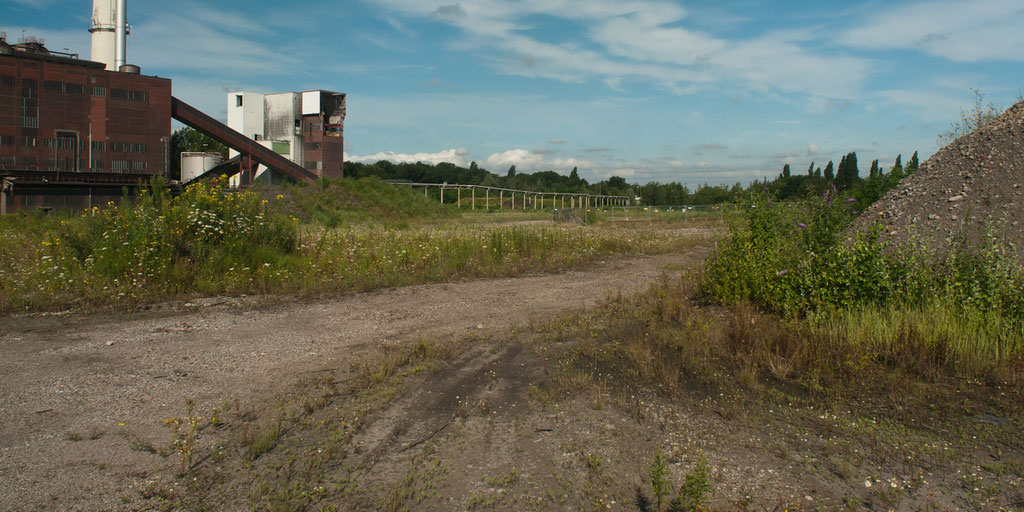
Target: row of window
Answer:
pixel 119 147
pixel 54 164
pixel 69 143
pixel 29 89
pixel 122 94
pixel 127 166
pixel 53 86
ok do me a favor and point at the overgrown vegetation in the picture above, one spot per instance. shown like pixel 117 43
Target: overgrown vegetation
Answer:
pixel 287 240
pixel 965 314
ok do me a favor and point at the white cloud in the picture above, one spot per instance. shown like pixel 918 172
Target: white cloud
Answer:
pixel 929 106
pixel 644 40
pixel 523 159
pixel 455 156
pixel 952 29
pixel 569 163
pixel 813 149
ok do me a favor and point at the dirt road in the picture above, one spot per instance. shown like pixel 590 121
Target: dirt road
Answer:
pixel 84 397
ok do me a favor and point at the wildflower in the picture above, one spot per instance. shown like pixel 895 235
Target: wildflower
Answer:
pixel 782 272
pixel 851 200
pixel 801 225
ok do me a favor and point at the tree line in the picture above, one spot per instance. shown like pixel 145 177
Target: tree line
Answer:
pixel 787 185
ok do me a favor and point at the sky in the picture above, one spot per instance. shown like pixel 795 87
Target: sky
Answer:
pixel 714 92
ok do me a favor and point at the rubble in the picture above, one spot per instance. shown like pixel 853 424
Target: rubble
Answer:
pixel 966 189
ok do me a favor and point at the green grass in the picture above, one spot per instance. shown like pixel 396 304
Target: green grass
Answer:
pixel 336 237
pixel 961 315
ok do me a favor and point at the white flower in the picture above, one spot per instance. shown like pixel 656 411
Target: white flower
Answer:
pixel 867 483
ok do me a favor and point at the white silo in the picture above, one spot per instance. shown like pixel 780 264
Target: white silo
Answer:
pixel 195 163
pixel 103 28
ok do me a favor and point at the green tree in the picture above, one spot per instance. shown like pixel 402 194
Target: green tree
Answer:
pixel 847 174
pixel 785 171
pixel 188 139
pixel 810 169
pixel 913 164
pixel 830 173
pixel 511 171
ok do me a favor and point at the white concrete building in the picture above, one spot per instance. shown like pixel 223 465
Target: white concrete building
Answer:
pixel 307 127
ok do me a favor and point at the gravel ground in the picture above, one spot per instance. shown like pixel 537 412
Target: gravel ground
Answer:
pixel 83 396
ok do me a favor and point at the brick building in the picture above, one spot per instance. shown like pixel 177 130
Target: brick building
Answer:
pixel 68 120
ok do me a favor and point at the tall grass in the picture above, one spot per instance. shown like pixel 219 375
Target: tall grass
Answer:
pixel 965 311
pixel 210 241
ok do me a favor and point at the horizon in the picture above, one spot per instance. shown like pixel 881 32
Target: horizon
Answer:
pixel 687 92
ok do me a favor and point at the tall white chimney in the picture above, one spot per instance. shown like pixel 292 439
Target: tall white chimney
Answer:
pixel 121 34
pixel 104 19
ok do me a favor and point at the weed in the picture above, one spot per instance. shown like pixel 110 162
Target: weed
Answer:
pixel 696 485
pixel 184 434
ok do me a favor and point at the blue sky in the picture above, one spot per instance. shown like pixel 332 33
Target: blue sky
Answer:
pixel 650 90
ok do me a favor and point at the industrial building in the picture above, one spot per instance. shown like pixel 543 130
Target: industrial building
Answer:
pixel 307 127
pixel 74 132
pixel 68 121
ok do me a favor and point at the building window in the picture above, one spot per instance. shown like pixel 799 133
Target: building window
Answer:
pixel 99 91
pixel 238 100
pixel 6 81
pixel 6 161
pixel 29 142
pixel 6 140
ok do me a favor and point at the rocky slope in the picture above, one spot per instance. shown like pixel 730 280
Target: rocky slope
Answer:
pixel 971 187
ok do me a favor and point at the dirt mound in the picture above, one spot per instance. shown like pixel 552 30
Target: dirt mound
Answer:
pixel 972 186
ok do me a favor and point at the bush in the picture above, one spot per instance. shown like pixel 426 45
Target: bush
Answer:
pixel 791 260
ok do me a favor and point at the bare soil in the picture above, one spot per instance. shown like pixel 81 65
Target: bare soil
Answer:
pixel 317 409
pixel 85 397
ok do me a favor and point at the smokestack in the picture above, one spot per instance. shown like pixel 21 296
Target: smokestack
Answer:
pixel 121 35
pixel 104 19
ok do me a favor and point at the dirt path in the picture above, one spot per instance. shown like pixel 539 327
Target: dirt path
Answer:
pixel 84 397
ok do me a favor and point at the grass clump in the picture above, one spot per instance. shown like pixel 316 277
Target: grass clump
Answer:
pixel 963 314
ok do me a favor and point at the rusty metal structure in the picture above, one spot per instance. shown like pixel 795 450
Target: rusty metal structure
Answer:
pixel 252 152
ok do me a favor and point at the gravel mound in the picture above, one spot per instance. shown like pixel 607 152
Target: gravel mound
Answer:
pixel 971 187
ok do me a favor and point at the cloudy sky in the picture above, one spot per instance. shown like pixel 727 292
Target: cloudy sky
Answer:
pixel 696 92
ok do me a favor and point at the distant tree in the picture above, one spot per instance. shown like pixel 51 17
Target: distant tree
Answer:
pixel 785 171
pixel 511 171
pixel 830 173
pixel 976 117
pixel 874 171
pixel 617 183
pixel 817 172
pixel 810 169
pixel 898 165
pixel 913 164
pixel 847 174
pixel 473 166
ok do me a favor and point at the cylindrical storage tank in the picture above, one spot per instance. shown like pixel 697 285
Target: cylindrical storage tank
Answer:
pixel 196 163
pixel 104 41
